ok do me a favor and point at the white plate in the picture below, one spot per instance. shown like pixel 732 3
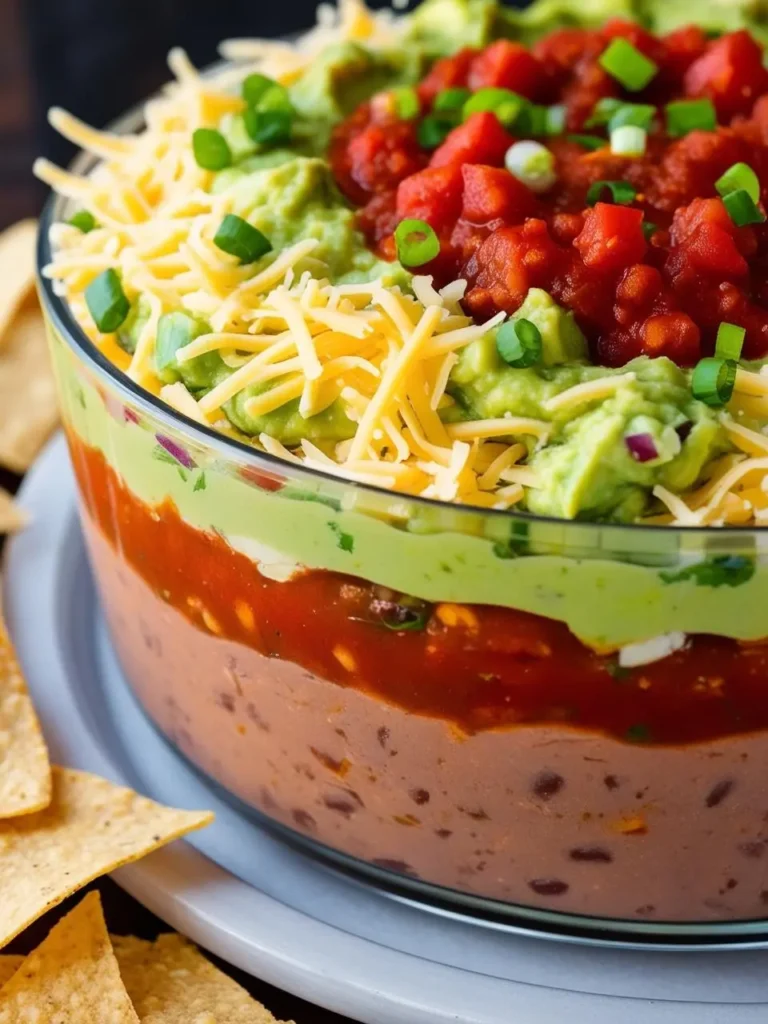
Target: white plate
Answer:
pixel 272 911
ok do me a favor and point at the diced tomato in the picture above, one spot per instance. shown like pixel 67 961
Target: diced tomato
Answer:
pixel 508 263
pixel 674 335
pixel 378 218
pixel 681 49
pixel 612 237
pixel 447 74
pixel 561 50
pixel 433 195
pixel 701 211
pixel 711 249
pixel 382 155
pixel 508 65
pixel 480 140
pixel 730 73
pixel 492 193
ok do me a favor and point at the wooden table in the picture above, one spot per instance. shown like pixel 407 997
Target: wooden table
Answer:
pixel 127 917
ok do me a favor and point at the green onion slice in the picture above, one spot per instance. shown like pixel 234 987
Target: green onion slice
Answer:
pixel 532 121
pixel 639 115
pixel 268 127
pixel 519 343
pixel 83 220
pixel 621 192
pixel 504 103
pixel 742 209
pixel 211 149
pixel 713 381
pixel 684 116
pixel 239 238
pixel 433 129
pixel 628 65
pixel 407 103
pixel 107 302
pixel 629 140
pixel 555 119
pixel 730 341
pixel 740 176
pixel 603 111
pixel 255 86
pixel 276 98
pixel 451 99
pixel 416 242
pixel 590 142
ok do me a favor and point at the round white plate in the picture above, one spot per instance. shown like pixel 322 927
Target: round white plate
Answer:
pixel 270 910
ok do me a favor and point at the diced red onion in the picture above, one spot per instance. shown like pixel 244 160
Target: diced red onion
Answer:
pixel 642 447
pixel 180 454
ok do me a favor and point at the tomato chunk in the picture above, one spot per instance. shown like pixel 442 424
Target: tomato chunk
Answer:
pixel 447 74
pixel 381 156
pixel 480 140
pixel 433 195
pixel 712 250
pixel 492 193
pixel 612 237
pixel 507 65
pixel 730 73
pixel 673 335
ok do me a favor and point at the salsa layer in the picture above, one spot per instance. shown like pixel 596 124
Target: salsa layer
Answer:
pixel 655 271
pixel 476 667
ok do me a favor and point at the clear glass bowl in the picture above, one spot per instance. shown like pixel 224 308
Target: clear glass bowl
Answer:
pixel 397 684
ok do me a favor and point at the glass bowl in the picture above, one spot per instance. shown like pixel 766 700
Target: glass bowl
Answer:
pixel 430 695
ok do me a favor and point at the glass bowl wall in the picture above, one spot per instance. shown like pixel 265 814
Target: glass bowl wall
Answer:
pixel 399 684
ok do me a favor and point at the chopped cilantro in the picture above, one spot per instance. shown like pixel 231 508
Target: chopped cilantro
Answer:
pixel 345 540
pixel 321 499
pixel 638 733
pixel 200 483
pixel 723 571
pixel 162 455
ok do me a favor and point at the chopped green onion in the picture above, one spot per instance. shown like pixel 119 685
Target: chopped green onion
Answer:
pixel 533 164
pixel 433 129
pixel 590 142
pixel 713 381
pixel 649 229
pixel 107 302
pixel 519 343
pixel 603 111
pixel 621 192
pixel 211 149
pixel 83 220
pixel 268 127
pixel 407 103
pixel 239 238
pixel 276 98
pixel 532 120
pixel 640 115
pixel 628 65
pixel 451 99
pixel 684 116
pixel 504 103
pixel 416 242
pixel 742 209
pixel 730 341
pixel 555 119
pixel 738 177
pixel 174 331
pixel 254 87
pixel 629 140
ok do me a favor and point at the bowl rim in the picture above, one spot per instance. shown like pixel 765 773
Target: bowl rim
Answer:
pixel 68 328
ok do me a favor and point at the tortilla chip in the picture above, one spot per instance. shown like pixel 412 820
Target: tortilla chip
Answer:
pixel 71 976
pixel 25 772
pixel 9 964
pixel 11 516
pixel 28 404
pixel 171 982
pixel 90 828
pixel 17 270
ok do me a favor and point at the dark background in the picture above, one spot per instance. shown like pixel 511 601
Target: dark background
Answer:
pixel 97 58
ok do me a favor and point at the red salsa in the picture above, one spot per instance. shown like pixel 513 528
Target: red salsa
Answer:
pixel 656 275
